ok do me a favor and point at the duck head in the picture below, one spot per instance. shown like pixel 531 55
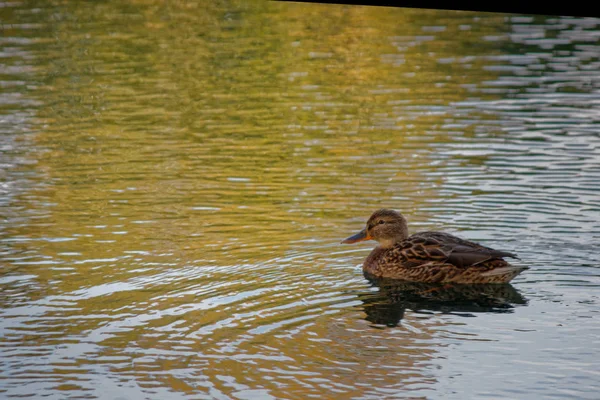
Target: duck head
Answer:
pixel 385 226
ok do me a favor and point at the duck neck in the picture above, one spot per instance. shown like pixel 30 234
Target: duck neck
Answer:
pixel 387 243
pixel 396 237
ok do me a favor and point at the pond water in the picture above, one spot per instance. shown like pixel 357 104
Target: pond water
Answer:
pixel 176 178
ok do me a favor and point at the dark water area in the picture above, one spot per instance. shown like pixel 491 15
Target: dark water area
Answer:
pixel 175 180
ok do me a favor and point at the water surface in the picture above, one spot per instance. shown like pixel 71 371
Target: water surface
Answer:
pixel 176 178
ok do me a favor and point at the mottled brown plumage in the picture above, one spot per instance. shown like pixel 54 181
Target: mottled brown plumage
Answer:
pixel 429 256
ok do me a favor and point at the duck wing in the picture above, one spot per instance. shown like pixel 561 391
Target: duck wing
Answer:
pixel 440 246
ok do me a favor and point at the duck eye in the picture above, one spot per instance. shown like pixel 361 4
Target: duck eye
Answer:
pixel 381 222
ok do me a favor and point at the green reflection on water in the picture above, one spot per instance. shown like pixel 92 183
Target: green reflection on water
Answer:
pixel 177 115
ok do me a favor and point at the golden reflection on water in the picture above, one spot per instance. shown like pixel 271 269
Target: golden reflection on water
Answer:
pixel 193 114
pixel 195 168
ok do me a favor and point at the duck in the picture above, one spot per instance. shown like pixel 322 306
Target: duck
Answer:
pixel 429 257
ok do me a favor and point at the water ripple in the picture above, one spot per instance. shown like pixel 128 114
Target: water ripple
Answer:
pixel 172 218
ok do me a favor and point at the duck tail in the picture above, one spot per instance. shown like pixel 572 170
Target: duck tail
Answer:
pixel 500 254
pixel 509 269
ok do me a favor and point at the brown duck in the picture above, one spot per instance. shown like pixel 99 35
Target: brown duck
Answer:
pixel 429 256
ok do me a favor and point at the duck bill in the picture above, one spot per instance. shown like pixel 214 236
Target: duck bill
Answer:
pixel 359 237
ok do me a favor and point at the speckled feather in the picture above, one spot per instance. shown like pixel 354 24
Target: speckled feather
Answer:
pixel 440 257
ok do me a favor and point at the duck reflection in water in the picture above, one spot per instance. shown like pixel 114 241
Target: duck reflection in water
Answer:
pixel 388 305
